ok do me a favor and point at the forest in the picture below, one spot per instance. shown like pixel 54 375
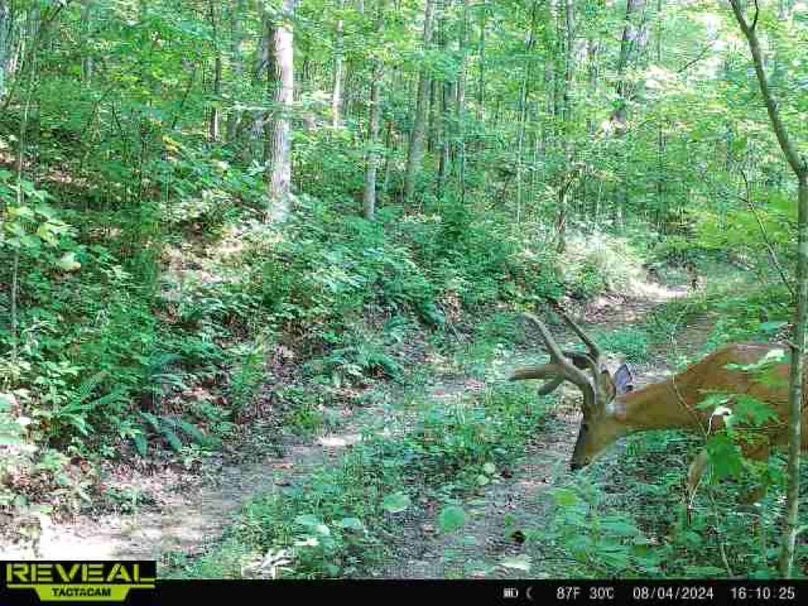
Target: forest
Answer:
pixel 278 279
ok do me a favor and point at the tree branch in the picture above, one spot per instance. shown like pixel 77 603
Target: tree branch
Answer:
pixel 764 234
pixel 799 167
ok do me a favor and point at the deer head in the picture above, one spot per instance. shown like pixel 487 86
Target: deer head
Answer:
pixel 588 372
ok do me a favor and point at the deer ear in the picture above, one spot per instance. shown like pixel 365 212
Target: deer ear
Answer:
pixel 623 379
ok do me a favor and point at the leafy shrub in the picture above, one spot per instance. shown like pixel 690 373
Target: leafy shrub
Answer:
pixel 597 261
pixel 633 343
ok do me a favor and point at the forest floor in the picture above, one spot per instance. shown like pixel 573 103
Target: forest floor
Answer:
pixel 492 543
pixel 186 512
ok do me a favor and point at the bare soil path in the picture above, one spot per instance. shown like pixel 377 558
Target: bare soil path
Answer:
pixel 491 543
pixel 186 511
pixel 189 511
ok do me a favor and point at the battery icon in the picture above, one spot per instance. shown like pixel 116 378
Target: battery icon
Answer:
pixel 510 593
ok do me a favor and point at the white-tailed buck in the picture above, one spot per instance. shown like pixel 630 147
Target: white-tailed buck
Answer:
pixel 612 408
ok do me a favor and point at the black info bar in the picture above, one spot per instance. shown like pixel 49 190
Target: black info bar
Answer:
pixel 522 592
pixel 137 583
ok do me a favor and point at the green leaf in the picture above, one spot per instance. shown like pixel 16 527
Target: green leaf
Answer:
pixel 580 545
pixel 7 400
pixel 773 356
pixel 151 419
pixel 565 498
pixel 308 520
pixel 67 262
pixel 520 562
pixel 396 502
pixel 451 518
pixel 489 468
pixel 48 212
pixel 45 233
pixel 618 527
pixel 753 411
pixel 351 524
pixel 312 522
pixel 24 212
pixel 171 437
pixel 191 430
pixel 713 401
pixel 141 444
pixel 614 555
pixel 725 456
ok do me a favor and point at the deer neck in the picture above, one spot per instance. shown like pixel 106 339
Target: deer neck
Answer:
pixel 657 406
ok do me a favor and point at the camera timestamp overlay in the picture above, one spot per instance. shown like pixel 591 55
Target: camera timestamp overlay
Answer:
pixel 135 584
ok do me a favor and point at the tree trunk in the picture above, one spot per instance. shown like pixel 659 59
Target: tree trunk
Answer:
pixel 632 43
pixel 566 39
pixel 800 168
pixel 660 180
pixel 443 94
pixel 372 160
pixel 237 9
pixel 432 121
pixel 592 52
pixel 215 112
pixel 481 53
pixel 5 38
pixel 523 102
pixel 460 111
pixel 278 136
pixel 415 151
pixel 445 135
pixel 373 139
pixel 86 26
pixel 569 58
pixel 261 74
pixel 388 163
pixel 339 68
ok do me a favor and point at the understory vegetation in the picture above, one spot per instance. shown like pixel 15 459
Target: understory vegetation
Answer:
pixel 227 219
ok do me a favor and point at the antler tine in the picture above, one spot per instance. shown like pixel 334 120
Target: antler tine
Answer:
pixel 594 350
pixel 558 370
pixel 551 386
pixel 584 361
pixel 548 371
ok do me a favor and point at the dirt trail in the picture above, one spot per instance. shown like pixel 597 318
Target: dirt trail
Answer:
pixel 493 534
pixel 190 511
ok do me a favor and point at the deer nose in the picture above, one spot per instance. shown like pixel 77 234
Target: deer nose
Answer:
pixel 575 466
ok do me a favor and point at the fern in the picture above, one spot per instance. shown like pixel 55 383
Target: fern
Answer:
pixel 171 437
pixel 168 428
pixel 191 430
pixel 141 443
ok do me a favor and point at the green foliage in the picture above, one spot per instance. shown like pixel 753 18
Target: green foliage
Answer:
pixel 631 343
pixel 643 528
pixel 758 315
pixel 597 262
pixel 169 429
pixel 601 543
pixel 336 521
pixel 451 518
pixel 249 373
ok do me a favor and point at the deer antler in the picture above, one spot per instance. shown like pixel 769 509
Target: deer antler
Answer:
pixel 561 369
pixel 594 350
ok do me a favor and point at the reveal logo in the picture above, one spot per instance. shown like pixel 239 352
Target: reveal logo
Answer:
pixel 79 581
